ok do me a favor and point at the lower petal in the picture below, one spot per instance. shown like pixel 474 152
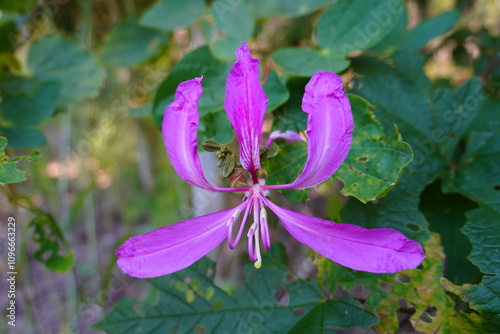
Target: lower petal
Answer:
pixel 377 250
pixel 174 247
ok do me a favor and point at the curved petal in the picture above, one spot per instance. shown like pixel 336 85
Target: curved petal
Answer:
pixel 377 250
pixel 288 135
pixel 245 106
pixel 329 129
pixel 174 247
pixel 179 129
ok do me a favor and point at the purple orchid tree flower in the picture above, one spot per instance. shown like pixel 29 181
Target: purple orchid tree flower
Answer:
pixel 329 132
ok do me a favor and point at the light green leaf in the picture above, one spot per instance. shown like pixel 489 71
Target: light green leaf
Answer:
pixel 375 161
pixel 56 58
pixel 129 44
pixel 352 25
pixel 306 62
pixel 8 171
pixel 169 15
pixel 52 245
pixel 428 29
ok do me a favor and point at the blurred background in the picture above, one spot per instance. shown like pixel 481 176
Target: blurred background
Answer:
pixel 91 72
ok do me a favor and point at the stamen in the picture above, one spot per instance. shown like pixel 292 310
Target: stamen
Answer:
pixel 264 229
pixel 251 248
pixel 232 244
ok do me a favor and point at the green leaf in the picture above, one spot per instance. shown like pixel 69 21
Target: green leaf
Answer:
pixel 8 171
pixel 352 25
pixel 479 175
pixel 190 298
pixel 23 137
pixel 234 18
pixel 429 29
pixel 129 44
pixel 286 166
pixel 486 300
pixel 446 215
pixel 453 111
pixel 171 14
pixel 401 94
pixel 276 92
pixel 320 319
pixel 392 42
pixel 488 116
pixel 16 6
pixel 56 58
pixel 216 126
pixel 286 8
pixel 8 34
pixel 50 239
pixel 482 230
pixel 398 210
pixel 29 110
pixel 306 62
pixel 199 62
pixel 375 161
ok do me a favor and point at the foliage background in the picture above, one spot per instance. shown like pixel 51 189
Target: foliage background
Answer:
pixel 84 84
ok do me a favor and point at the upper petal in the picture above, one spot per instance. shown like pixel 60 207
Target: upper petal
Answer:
pixel 245 106
pixel 174 247
pixel 329 129
pixel 179 128
pixel 377 250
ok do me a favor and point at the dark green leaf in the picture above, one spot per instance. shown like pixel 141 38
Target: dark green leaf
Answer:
pixel 479 176
pixel 269 8
pixel 392 42
pixel 129 44
pixel 446 215
pixel 234 18
pixel 428 29
pixel 375 161
pixel 52 245
pixel 306 62
pixel 56 58
pixel 23 137
pixel 276 91
pixel 482 230
pixel 189 297
pixel 172 14
pixel 216 126
pixel 351 25
pixel 453 111
pixel 199 62
pixel 286 166
pixel 401 94
pixel 29 110
pixel 320 319
pixel 398 210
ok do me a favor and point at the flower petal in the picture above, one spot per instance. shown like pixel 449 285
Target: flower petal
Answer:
pixel 377 250
pixel 245 106
pixel 179 128
pixel 289 135
pixel 329 129
pixel 174 247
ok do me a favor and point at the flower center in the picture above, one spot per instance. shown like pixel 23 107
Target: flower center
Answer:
pixel 255 205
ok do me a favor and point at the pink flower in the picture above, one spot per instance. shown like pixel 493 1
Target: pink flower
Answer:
pixel 329 131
